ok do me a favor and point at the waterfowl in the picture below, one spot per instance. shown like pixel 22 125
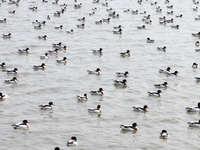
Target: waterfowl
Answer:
pixel 72 141
pixel 11 81
pixel 112 13
pixel 45 56
pixel 170 7
pixel 3 21
pixel 118 32
pixel 175 27
pixel 99 51
pixel 21 125
pixel 82 98
pixel 195 9
pixel 164 134
pixel 95 110
pixel 115 16
pixel 141 109
pixel 57 45
pixel 3 96
pixel 117 82
pixel 135 12
pixel 127 10
pixel 77 6
pixel 44 37
pixel 170 12
pixel 49 106
pixel 94 9
pixel 48 17
pixel 195 65
pixel 168 70
pixel 149 40
pixel 64 60
pixel 38 27
pixel 57 14
pixel 162 48
pixel 56 2
pixel 42 66
pixel 193 108
pixel 44 1
pixel 105 4
pixel 194 124
pixel 97 71
pixel 99 92
pixel 14 71
pixel 106 20
pixel 56 51
pixel 6 36
pixel 98 22
pixel 60 27
pixel 141 27
pixel 3 65
pixel 63 48
pixel 133 127
pixel 170 20
pixel 95 1
pixel 158 93
pixel 164 85
pixel 197 43
pixel 197 18
pixel 81 26
pixel 70 32
pixel 162 18
pixel 121 74
pixel 175 73
pixel 163 22
pixel 26 50
pixel 81 19
pixel 117 27
pixel 144 12
pixel 159 10
pixel 33 8
pixel 148 21
pixel 127 53
pixel 11 12
pixel 196 34
pixel 179 16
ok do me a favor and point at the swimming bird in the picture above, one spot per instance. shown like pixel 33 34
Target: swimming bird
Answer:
pixel 72 141
pixel 123 82
pixel 21 125
pixel 97 71
pixel 3 21
pixel 170 12
pixel 57 45
pixel 81 19
pixel 42 66
pixel 127 53
pixel 121 74
pixel 106 20
pixel 49 106
pixel 95 110
pixel 195 9
pixel 4 96
pixel 170 7
pixel 175 27
pixel 141 109
pixel 33 8
pixel 44 37
pixel 98 22
pixel 99 51
pixel 194 124
pixel 141 27
pixel 77 6
pixel 3 65
pixel 134 12
pixel 48 17
pixel 26 50
pixel 56 51
pixel 45 56
pixel 158 93
pixel 38 27
pixel 170 20
pixel 81 26
pixel 70 32
pixel 11 81
pixel 164 134
pixel 168 70
pixel 162 48
pixel 127 10
pixel 118 32
pixel 64 60
pixel 99 92
pixel 195 65
pixel 164 85
pixel 175 73
pixel 196 34
pixel 193 108
pixel 6 36
pixel 133 127
pixel 197 43
pixel 82 98
pixel 179 16
pixel 60 27
pixel 14 71
pixel 149 40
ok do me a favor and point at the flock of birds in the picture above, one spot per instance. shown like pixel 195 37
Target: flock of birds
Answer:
pixel 117 30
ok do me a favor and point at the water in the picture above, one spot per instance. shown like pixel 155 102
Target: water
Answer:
pixel 61 83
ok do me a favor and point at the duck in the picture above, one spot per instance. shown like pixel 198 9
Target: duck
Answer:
pixel 3 65
pixel 60 27
pixel 121 74
pixel 4 96
pixel 168 70
pixel 144 12
pixel 118 32
pixel 81 19
pixel 99 51
pixel 127 53
pixel 48 17
pixel 149 40
pixel 133 127
pixel 123 82
pixel 175 73
pixel 56 51
pixel 175 27
pixel 164 134
pixel 141 109
pixel 105 4
pixel 99 22
pixel 158 93
pixel 197 43
pixel 197 79
pixel 170 7
pixel 11 81
pixel 64 60
pixel 106 20
pixel 49 106
pixel 148 22
pixel 81 26
pixel 77 6
pixel 57 14
pixel 14 71
pixel 193 108
pixel 163 22
pixel 57 45
pixel 82 98
pixel 6 36
pixel 99 92
pixel 45 56
pixel 95 110
pixel 117 27
pixel 141 27
pixel 72 141
pixel 42 66
pixel 22 125
pixel 44 37
pixel 162 18
pixel 195 65
pixel 97 71
pixel 170 12
pixel 33 8
pixel 38 27
pixel 196 34
pixel 162 48
pixel 26 50
pixel 70 32
pixel 63 48
pixel 195 9
pixel 194 124
pixel 164 85
pixel 134 12
pixel 127 10
pixel 170 20
pixel 179 16
pixel 3 21
pixel 115 16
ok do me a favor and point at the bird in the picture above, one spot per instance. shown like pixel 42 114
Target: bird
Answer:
pixel 57 148
pixel 179 16
pixel 170 7
pixel 3 21
pixel 57 45
pixel 22 125
pixel 56 51
pixel 175 73
pixel 196 34
pixel 141 109
pixel 170 20
pixel 81 19
pixel 195 65
pixel 193 108
pixel 60 27
pixel 4 96
pixel 70 32
pixel 45 56
pixel 6 36
pixel 118 32
pixel 149 40
pixel 26 50
pixel 135 12
pixel 127 53
pixel 162 48
pixel 33 8
pixel 11 81
pixel 95 110
pixel 170 12
pixel 99 92
pixel 44 37
pixel 72 141
pixel 42 66
pixel 98 22
pixel 175 27
pixel 49 106
pixel 127 10
pixel 197 43
pixel 92 13
pixel 164 134
pixel 117 27
pixel 133 127
pixel 14 71
pixel 3 65
pixel 164 85
pixel 123 82
pixel 38 27
pixel 194 124
pixel 157 94
pixel 97 71
pixel 99 51
pixel 121 74
pixel 81 26
pixel 82 98
pixel 168 70
pixel 141 27
pixel 106 20
pixel 64 60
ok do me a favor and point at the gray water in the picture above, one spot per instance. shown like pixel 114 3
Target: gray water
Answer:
pixel 61 83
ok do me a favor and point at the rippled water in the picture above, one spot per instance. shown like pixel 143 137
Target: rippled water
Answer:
pixel 61 83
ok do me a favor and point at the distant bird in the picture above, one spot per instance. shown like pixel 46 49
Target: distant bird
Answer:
pixel 49 106
pixel 164 85
pixel 11 81
pixel 6 36
pixel 21 125
pixel 14 71
pixel 99 92
pixel 99 51
pixel 162 48
pixel 123 82
pixel 150 40
pixel 33 8
pixel 56 51
pixel 3 65
pixel 141 109
pixel 81 26
pixel 127 53
pixel 97 71
pixel 196 34
pixel 42 66
pixel 72 141
pixel 60 27
pixel 117 27
pixel 106 20
pixel 164 134
pixel 157 94
pixel 45 56
pixel 118 32
pixel 134 12
pixel 26 50
pixel 175 27
pixel 133 127
pixel 141 27
pixel 44 37
pixel 175 73
pixel 70 32
pixel 195 65
pixel 38 27
pixel 64 60
pixel 121 74
pixel 193 108
pixel 95 110
pixel 82 98
pixel 197 43
pixel 168 70
pixel 194 124
pixel 4 96
pixel 81 19
pixel 3 21
pixel 98 22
